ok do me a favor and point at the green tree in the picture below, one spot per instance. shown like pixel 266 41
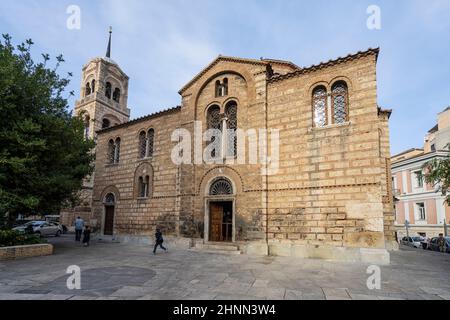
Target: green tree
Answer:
pixel 44 156
pixel 437 173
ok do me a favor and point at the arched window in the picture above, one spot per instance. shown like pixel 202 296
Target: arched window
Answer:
pixel 117 151
pixel 111 151
pixel 116 95
pixel 142 145
pixel 110 199
pixel 151 141
pixel 222 88
pixel 225 87
pixel 143 178
pixel 93 86
pixel 218 87
pixel 339 99
pixel 214 121
pixel 87 90
pixel 141 187
pixel 108 90
pixel 106 123
pixel 232 126
pixel 87 126
pixel 144 185
pixel 221 187
pixel 320 106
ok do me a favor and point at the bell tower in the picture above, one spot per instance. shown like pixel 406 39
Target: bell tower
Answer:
pixel 103 103
pixel 104 94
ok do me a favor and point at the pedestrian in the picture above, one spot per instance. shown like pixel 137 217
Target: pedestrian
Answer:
pixel 79 225
pixel 86 236
pixel 159 241
pixel 425 241
pixel 441 242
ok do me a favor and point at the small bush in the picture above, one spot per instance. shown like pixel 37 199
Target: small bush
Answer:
pixel 11 238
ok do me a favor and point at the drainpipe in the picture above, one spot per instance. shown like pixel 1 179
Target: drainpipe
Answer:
pixel 267 155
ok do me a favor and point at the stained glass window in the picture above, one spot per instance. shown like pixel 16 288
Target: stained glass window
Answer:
pixel 214 122
pixel 142 144
pixel 320 106
pixel 151 142
pixel 339 98
pixel 231 114
pixel 111 151
pixel 117 151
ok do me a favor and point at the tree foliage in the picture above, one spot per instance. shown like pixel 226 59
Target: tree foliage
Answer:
pixel 437 173
pixel 44 156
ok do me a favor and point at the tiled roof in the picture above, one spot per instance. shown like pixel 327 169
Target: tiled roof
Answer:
pixel 327 64
pixel 145 118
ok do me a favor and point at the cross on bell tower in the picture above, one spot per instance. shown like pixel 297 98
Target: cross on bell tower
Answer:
pixel 108 50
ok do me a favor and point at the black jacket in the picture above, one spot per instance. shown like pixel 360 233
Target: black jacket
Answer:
pixel 87 236
pixel 159 237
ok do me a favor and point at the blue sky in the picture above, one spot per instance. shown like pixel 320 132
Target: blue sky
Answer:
pixel 161 45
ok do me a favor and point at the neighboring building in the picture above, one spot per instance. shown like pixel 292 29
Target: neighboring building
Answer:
pixel 410 153
pixel 439 136
pixel 416 202
pixel 330 196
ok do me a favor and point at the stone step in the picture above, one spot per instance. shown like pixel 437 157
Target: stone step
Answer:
pixel 217 247
pixel 224 252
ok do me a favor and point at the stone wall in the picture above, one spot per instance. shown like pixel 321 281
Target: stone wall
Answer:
pixel 134 215
pixel 332 184
pixel 331 189
pixel 20 252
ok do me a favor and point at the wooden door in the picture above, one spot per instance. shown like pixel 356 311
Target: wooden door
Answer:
pixel 109 221
pixel 216 216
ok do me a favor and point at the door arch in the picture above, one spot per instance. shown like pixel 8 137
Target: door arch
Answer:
pixel 108 221
pixel 220 211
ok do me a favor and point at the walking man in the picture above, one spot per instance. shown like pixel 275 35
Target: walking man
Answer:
pixel 159 241
pixel 441 242
pixel 79 225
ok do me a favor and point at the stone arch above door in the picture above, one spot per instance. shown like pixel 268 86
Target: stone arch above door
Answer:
pixel 113 190
pixel 221 172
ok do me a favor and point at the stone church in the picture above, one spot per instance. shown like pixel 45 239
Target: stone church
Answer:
pixel 329 198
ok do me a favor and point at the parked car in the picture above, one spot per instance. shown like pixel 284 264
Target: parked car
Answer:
pixel 433 245
pixel 414 242
pixel 42 228
pixel 56 219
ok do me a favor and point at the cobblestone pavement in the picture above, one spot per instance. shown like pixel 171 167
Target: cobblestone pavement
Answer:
pixel 119 271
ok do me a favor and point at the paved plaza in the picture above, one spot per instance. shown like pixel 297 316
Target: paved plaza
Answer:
pixel 124 271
